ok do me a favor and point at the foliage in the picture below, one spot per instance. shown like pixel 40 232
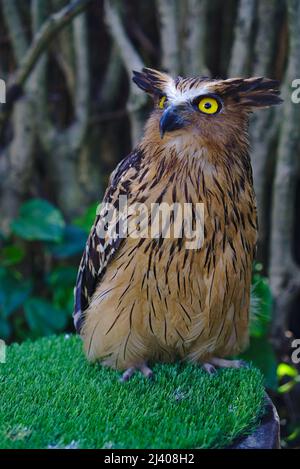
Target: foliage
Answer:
pixel 38 300
pixel 42 317
pixel 289 385
pixel 14 290
pixel 85 406
pixel 283 379
pixel 39 220
pixel 260 351
pixel 70 244
pixel 87 219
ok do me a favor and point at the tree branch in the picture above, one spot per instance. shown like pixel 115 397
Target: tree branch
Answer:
pixel 112 79
pixel 82 85
pixel 131 61
pixel 130 56
pixel 168 17
pixel 50 28
pixel 284 273
pixel 264 125
pixel 239 62
pixel 15 28
pixel 41 41
pixel 195 63
pixel 19 153
pixel 63 147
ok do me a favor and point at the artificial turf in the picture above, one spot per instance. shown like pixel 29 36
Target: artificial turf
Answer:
pixel 50 397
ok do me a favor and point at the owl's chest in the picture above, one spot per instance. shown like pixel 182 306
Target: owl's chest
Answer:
pixel 186 244
pixel 196 211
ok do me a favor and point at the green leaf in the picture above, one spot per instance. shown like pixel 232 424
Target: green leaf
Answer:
pixel 3 236
pixel 287 387
pixel 72 242
pixel 261 354
pixel 63 276
pixel 43 318
pixel 13 291
pixel 294 435
pixel 261 306
pixel 284 369
pixel 11 255
pixel 39 220
pixel 5 329
pixel 63 298
pixel 87 219
pixel 62 281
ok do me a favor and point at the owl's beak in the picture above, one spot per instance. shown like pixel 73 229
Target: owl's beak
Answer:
pixel 171 120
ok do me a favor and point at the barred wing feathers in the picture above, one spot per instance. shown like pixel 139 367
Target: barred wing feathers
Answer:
pixel 100 249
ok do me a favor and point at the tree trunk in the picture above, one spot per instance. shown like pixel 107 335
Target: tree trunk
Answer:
pixel 284 273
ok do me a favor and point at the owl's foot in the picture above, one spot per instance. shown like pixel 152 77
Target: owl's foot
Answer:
pixel 215 363
pixel 145 370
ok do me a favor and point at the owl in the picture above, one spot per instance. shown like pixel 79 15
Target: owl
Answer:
pixel 154 295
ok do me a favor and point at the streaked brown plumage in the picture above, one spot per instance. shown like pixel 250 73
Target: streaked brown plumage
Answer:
pixel 144 300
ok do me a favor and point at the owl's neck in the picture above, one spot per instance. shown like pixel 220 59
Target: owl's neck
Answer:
pixel 187 154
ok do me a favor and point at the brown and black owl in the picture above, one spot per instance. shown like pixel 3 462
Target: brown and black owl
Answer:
pixel 140 300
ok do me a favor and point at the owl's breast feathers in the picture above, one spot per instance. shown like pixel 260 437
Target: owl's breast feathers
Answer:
pixel 174 294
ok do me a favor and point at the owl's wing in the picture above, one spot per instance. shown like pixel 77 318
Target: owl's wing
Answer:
pixel 103 241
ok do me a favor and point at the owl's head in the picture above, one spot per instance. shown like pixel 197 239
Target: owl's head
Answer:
pixel 207 107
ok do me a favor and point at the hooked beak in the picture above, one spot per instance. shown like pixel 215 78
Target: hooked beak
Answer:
pixel 171 120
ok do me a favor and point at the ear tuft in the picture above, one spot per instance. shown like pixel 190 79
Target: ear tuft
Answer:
pixel 140 79
pixel 151 81
pixel 257 92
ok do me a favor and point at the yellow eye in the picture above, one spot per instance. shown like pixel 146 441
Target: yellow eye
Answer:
pixel 162 101
pixel 208 105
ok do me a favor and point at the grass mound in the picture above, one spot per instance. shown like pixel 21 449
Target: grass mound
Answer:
pixel 51 397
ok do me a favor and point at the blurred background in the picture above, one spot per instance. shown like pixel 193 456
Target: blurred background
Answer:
pixel 72 113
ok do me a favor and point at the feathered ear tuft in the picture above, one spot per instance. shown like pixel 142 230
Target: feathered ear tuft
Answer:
pixel 151 81
pixel 257 92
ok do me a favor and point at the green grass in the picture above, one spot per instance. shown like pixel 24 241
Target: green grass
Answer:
pixel 51 397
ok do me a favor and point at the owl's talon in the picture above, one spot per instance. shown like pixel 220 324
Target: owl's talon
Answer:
pixel 223 363
pixel 210 369
pixel 215 363
pixel 127 374
pixel 145 370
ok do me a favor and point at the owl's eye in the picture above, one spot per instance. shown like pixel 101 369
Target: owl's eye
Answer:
pixel 162 101
pixel 208 105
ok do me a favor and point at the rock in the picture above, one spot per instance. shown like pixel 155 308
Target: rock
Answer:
pixel 267 435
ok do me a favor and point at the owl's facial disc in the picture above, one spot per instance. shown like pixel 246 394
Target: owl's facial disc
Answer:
pixel 171 120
